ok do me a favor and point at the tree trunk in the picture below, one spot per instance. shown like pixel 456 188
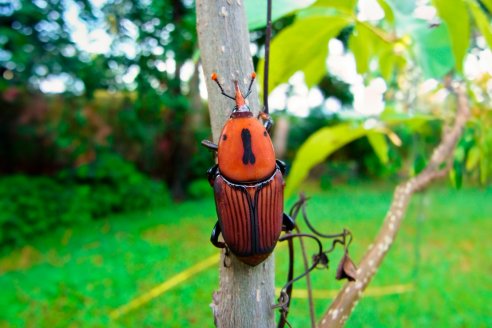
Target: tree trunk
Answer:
pixel 246 294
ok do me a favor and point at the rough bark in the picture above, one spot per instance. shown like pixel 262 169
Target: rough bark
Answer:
pixel 438 167
pixel 246 294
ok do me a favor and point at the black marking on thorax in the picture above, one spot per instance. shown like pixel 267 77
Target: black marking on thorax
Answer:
pixel 248 156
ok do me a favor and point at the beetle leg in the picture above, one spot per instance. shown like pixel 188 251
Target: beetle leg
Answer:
pixel 288 223
pixel 268 122
pixel 211 174
pixel 214 238
pixel 210 145
pixel 282 166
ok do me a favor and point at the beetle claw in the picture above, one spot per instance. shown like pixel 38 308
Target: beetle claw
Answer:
pixel 282 166
pixel 211 173
pixel 288 223
pixel 227 259
pixel 214 238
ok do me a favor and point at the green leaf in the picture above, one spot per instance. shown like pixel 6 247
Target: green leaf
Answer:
pixel 366 43
pixel 487 4
pixel 330 8
pixel 379 145
pixel 473 158
pixel 361 43
pixel 484 169
pixel 485 152
pixel 432 48
pixel 388 11
pixel 256 10
pixel 459 154
pixel 482 22
pixel 419 164
pixel 343 5
pixel 317 147
pixel 456 175
pixel 455 14
pixel 387 63
pixel 303 46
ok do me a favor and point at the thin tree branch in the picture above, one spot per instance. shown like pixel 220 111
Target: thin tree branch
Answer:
pixel 438 167
pixel 312 316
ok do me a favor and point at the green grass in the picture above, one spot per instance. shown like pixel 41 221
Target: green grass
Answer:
pixel 76 277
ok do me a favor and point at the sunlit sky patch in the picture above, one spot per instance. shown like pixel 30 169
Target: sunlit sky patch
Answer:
pixel 96 41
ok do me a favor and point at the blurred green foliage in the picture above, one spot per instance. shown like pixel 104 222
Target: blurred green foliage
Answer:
pixel 145 118
pixel 33 205
pixel 116 186
pixel 199 189
pixel 30 206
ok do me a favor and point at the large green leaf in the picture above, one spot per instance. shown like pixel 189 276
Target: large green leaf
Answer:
pixel 388 11
pixel 455 14
pixel 487 4
pixel 379 145
pixel 482 22
pixel 361 43
pixel 303 46
pixel 432 48
pixel 367 42
pixel 256 10
pixel 330 8
pixel 388 60
pixel 318 147
pixel 473 158
pixel 345 6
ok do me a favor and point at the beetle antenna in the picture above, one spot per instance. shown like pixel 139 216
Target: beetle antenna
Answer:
pixel 253 76
pixel 215 78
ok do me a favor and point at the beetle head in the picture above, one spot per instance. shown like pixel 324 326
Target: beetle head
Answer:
pixel 241 107
pixel 240 101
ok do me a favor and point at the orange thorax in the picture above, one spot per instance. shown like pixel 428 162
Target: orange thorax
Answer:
pixel 245 151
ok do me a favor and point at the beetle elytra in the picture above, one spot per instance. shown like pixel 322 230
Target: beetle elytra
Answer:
pixel 248 184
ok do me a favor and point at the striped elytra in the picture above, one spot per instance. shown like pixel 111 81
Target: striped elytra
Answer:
pixel 250 216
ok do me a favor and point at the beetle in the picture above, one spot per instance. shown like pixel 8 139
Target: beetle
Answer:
pixel 248 183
